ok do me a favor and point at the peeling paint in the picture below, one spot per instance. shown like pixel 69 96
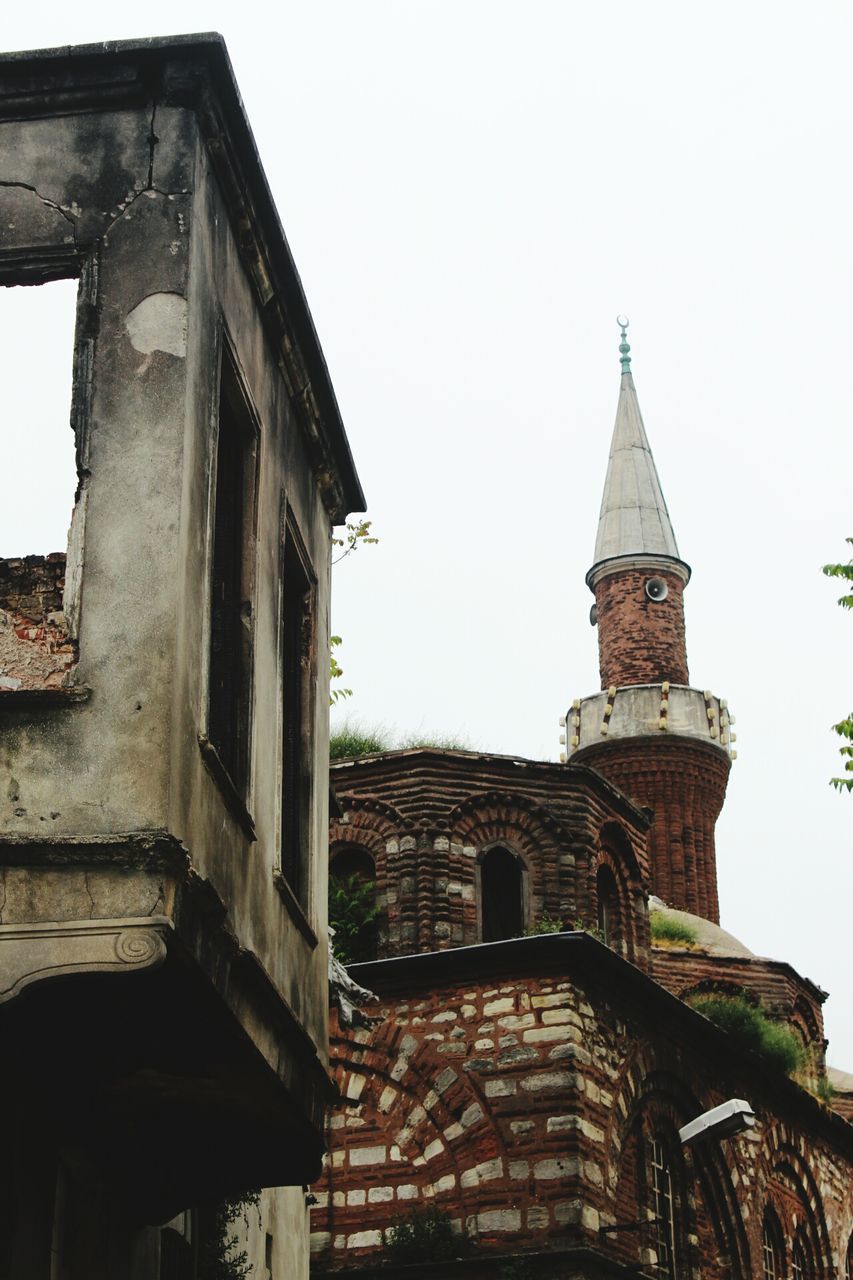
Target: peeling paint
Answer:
pixel 159 323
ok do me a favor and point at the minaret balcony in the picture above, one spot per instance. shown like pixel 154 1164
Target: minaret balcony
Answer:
pixel 649 710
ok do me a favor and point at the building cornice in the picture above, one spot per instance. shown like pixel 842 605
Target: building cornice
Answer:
pixel 649 563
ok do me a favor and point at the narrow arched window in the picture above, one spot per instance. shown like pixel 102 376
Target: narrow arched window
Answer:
pixel 663 1206
pixel 353 906
pixel 501 895
pixel 609 917
pixel 772 1248
pixel 802 1266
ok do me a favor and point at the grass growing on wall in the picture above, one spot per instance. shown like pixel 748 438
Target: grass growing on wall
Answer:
pixel 352 738
pixel 667 928
pixel 424 1235
pixel 441 742
pixel 776 1043
pixel 545 924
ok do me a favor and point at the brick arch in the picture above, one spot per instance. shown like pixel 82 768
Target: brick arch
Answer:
pixel 382 832
pixel 806 1021
pixel 420 1124
pixel 616 852
pixel 718 987
pixel 495 818
pixel 784 1180
pixel 367 814
pixel 653 1100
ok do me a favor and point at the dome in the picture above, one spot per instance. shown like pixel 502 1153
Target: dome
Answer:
pixel 709 937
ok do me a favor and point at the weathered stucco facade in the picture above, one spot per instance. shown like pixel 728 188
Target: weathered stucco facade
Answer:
pixel 164 692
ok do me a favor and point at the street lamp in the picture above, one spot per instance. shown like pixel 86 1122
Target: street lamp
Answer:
pixel 723 1121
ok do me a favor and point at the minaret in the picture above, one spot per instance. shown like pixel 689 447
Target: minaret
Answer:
pixel 666 745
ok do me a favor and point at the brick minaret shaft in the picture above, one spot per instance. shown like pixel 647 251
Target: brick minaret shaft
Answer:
pixel 638 579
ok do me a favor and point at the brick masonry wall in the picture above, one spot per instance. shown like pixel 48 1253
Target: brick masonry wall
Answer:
pixel 683 782
pixel 468 1097
pixel 640 641
pixel 521 1108
pixel 36 651
pixel 562 822
pixel 779 988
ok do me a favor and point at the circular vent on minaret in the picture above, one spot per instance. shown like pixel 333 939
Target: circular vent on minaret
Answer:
pixel 656 589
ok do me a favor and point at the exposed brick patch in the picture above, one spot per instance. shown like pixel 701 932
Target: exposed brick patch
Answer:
pixel 640 641
pixel 36 651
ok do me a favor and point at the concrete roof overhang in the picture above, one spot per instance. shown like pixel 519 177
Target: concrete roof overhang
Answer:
pixel 194 71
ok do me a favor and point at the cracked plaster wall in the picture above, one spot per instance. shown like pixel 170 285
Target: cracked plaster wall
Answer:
pixel 85 183
pixel 130 198
pixel 127 200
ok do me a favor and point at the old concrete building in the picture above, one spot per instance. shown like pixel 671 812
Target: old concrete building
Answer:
pixel 531 1088
pixel 164 687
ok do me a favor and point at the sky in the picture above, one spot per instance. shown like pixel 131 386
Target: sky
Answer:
pixel 472 191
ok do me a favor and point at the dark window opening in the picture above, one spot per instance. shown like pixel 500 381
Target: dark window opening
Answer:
pixel 772 1248
pixel 177 1260
pixel 663 1207
pixel 353 908
pixel 502 895
pixel 298 679
pixel 802 1267
pixel 232 580
pixel 36 366
pixel 609 918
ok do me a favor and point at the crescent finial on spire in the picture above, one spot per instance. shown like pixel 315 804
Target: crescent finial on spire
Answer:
pixel 624 348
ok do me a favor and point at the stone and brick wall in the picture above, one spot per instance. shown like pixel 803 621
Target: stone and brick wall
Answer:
pixel 562 823
pixel 640 641
pixel 683 782
pixel 36 651
pixel 773 985
pixel 524 1107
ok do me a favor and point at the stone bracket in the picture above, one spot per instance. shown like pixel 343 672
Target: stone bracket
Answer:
pixel 33 951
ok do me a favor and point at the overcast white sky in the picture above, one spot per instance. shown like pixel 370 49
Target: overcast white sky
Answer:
pixel 472 191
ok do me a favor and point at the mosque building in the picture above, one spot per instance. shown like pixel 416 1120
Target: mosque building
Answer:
pixel 556 997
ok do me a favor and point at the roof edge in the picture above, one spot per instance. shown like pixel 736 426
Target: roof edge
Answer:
pixel 642 560
pixel 32 85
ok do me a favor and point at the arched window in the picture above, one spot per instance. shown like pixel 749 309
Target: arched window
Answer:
pixel 802 1267
pixel 609 916
pixel 352 861
pixel 501 895
pixel 772 1248
pixel 663 1207
pixel 352 904
pixel 176 1247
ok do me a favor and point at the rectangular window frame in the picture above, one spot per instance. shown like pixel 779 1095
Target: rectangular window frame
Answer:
pixel 297 703
pixel 32 268
pixel 232 766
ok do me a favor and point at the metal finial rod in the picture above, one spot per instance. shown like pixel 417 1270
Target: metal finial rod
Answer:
pixel 624 348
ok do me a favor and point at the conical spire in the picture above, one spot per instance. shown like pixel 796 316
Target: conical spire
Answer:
pixel 634 520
